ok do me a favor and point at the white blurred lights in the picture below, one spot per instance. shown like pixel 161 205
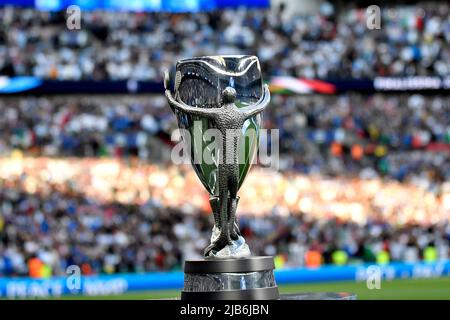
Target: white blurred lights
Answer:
pixel 264 190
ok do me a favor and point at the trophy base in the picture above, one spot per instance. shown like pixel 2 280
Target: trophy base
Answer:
pixel 249 278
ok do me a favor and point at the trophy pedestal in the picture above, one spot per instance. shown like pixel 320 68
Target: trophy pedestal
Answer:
pixel 249 278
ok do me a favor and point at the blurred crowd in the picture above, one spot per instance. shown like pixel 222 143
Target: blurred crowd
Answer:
pixel 403 137
pixel 413 40
pixel 265 189
pixel 44 232
pixel 107 216
pixel 85 125
pixel 88 180
pixel 400 136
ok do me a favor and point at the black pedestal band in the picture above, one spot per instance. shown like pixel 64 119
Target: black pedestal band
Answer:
pixel 249 264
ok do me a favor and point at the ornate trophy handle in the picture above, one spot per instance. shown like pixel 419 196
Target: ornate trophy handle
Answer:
pixel 166 80
pixel 181 106
pixel 258 107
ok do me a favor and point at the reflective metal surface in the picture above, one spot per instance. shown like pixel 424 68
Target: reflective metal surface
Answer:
pixel 194 282
pixel 199 82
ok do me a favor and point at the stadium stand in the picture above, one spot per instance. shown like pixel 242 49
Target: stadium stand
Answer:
pixel 86 180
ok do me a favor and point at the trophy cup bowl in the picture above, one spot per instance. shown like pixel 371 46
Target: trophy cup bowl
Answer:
pixel 199 82
pixel 223 92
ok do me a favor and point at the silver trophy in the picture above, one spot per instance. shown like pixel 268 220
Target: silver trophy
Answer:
pixel 224 93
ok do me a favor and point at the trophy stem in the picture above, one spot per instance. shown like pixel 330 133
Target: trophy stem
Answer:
pixel 215 207
pixel 214 202
pixel 238 246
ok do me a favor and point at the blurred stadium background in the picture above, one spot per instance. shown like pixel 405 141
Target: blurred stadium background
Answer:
pixel 85 172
